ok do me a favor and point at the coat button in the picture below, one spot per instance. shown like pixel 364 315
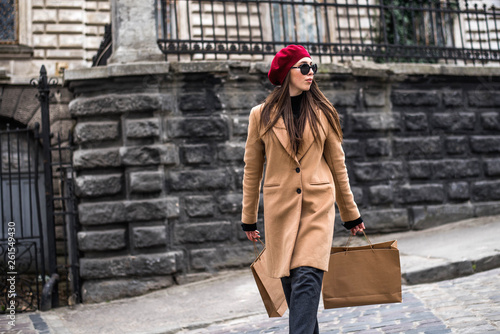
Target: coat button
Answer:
pixel 299 191
pixel 297 170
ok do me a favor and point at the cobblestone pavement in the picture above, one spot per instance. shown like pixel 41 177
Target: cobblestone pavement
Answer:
pixel 465 305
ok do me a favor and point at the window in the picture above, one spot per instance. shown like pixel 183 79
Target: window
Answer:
pixel 9 22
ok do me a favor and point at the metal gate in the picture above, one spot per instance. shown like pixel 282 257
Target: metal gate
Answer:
pixel 38 249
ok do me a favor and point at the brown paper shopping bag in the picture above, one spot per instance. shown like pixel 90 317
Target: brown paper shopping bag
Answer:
pixel 363 275
pixel 270 289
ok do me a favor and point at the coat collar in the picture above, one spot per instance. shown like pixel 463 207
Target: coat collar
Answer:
pixel 279 130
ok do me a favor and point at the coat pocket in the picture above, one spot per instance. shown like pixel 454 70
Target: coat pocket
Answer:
pixel 319 183
pixel 271 185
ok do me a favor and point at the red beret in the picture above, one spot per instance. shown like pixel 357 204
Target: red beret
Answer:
pixel 283 61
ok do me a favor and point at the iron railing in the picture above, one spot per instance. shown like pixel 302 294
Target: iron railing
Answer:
pixel 23 241
pixel 335 30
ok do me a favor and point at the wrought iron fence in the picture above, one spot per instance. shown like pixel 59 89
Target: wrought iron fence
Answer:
pixel 381 30
pixel 23 266
pixel 38 269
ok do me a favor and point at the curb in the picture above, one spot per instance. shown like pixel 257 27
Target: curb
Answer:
pixel 451 270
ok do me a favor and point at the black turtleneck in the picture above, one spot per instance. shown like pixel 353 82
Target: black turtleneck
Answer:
pixel 296 102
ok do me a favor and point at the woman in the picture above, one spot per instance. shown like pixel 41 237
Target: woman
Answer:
pixel 296 131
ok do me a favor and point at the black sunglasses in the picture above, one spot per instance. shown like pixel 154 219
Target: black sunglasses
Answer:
pixel 305 68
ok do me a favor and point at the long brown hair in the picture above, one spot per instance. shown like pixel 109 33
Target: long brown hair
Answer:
pixel 278 104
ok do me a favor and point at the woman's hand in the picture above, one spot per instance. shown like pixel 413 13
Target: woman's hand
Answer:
pixel 357 228
pixel 253 235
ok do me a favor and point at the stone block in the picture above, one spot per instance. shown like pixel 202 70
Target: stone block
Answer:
pixel 128 211
pixel 154 209
pixel 231 151
pixel 485 144
pixel 64 4
pixel 455 169
pixel 381 194
pixel 198 153
pixel 240 125
pixel 421 193
pixel 352 148
pixel 435 215
pixel 378 171
pixel 454 121
pixel 416 121
pixel 378 147
pixel 230 203
pixel 357 192
pixel 374 98
pixel 114 104
pixel 165 154
pixel 98 185
pixel 486 209
pixel 96 131
pixel 458 191
pixel 149 236
pixel 486 98
pixel 100 241
pixel 486 191
pixel 146 182
pixel 377 121
pixel 203 232
pixel 103 291
pixel 490 120
pixel 199 206
pixel 453 98
pixel 71 41
pixel 237 100
pixel 131 265
pixel 198 127
pixel 456 145
pixel 76 54
pixel 417 147
pixel 238 176
pixel 142 128
pixel 96 158
pixel 100 18
pixel 210 259
pixel 193 102
pixel 101 213
pixel 45 41
pixel 386 221
pixel 492 167
pixel 44 16
pixel 419 169
pixel 70 15
pixel 415 98
pixel 199 179
pixel 345 98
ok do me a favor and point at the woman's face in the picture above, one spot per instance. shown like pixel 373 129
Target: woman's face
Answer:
pixel 298 81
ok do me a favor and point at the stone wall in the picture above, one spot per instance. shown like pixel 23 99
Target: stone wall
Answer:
pixel 60 34
pixel 161 145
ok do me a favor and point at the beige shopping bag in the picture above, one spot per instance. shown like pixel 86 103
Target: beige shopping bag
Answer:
pixel 363 275
pixel 270 289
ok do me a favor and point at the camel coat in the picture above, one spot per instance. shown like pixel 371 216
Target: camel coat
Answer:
pixel 299 193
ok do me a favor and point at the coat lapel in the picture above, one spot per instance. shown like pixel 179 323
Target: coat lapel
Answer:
pixel 279 130
pixel 307 141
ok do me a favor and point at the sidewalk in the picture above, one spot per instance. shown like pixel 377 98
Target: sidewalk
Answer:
pixel 441 253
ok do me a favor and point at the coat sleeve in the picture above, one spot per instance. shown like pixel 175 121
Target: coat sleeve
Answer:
pixel 254 167
pixel 335 158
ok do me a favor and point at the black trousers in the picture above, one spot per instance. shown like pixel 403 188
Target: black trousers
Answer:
pixel 302 291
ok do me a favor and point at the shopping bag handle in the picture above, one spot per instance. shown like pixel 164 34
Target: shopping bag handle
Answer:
pixel 349 241
pixel 255 250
